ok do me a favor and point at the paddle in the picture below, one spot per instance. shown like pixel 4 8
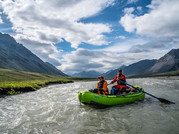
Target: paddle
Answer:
pixel 160 99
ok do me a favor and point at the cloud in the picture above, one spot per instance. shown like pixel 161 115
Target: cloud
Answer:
pixel 86 60
pixel 120 37
pixel 32 19
pixel 47 22
pixel 47 52
pixel 102 60
pixel 161 21
pixel 128 10
pixel 153 45
pixel 1 21
pixel 125 45
pixel 125 52
pixel 132 1
pixel 80 60
pixel 159 25
pixel 128 22
pixel 143 45
pixel 139 8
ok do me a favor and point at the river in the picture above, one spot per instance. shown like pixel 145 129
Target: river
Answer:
pixel 56 110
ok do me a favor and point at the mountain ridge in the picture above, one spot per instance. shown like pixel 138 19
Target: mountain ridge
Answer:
pixel 168 62
pixel 87 74
pixel 138 68
pixel 16 57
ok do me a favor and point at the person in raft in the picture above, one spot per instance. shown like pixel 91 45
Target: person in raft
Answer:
pixel 101 87
pixel 120 87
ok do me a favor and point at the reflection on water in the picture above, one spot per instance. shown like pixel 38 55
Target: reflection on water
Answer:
pixel 56 109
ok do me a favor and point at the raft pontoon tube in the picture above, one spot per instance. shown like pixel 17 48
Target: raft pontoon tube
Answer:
pixel 90 98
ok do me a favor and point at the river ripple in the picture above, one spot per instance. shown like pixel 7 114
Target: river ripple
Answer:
pixel 56 110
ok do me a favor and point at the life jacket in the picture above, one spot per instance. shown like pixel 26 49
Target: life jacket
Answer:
pixel 123 78
pixel 102 85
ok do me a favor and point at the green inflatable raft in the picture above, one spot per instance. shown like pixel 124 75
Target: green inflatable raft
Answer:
pixel 90 98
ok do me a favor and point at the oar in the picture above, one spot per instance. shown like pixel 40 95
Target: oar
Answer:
pixel 80 98
pixel 160 99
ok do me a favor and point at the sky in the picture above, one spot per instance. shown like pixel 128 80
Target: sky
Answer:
pixel 86 35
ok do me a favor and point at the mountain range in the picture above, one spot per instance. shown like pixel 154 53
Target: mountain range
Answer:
pixel 87 74
pixel 168 62
pixel 139 68
pixel 15 56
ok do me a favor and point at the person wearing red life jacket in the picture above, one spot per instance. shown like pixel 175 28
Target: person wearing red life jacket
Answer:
pixel 120 87
pixel 101 86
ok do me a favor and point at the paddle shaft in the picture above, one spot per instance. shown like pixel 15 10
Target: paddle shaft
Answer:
pixel 160 99
pixel 139 89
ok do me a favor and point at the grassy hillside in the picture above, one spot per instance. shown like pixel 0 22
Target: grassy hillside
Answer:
pixel 10 75
pixel 14 82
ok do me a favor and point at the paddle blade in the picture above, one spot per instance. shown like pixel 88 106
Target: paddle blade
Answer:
pixel 165 101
